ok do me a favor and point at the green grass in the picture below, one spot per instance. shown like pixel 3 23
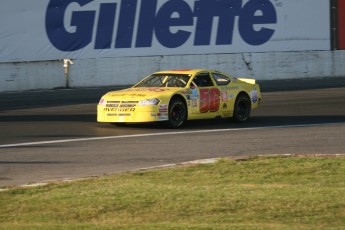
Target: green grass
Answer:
pixel 258 193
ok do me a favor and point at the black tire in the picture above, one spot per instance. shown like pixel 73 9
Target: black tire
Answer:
pixel 242 109
pixel 177 113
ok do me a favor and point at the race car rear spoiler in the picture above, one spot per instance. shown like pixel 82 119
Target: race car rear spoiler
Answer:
pixel 248 80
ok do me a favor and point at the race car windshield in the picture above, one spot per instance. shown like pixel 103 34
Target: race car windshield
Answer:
pixel 165 80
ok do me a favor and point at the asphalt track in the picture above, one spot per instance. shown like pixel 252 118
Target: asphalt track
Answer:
pixel 53 135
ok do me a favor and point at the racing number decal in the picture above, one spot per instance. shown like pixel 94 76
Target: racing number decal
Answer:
pixel 209 100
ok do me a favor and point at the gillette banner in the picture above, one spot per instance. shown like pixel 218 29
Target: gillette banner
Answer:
pixel 34 30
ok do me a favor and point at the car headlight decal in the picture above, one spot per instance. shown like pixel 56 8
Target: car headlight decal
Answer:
pixel 152 101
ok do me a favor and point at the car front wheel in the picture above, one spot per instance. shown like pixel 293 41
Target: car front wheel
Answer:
pixel 177 113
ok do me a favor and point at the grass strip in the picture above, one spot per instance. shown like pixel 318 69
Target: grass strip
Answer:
pixel 256 193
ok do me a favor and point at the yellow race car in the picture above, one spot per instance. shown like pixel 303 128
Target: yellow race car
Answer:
pixel 175 96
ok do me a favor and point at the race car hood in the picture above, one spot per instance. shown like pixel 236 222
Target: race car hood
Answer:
pixel 139 93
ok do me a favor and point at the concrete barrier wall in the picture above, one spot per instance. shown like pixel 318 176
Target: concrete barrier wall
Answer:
pixel 22 76
pixel 261 66
pixel 129 70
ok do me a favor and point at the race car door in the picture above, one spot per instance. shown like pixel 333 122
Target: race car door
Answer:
pixel 206 96
pixel 227 93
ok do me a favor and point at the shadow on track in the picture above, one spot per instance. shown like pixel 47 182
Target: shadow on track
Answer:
pixel 39 118
pixel 258 121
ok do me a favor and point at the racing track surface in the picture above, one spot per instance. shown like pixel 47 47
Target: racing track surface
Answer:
pixel 290 121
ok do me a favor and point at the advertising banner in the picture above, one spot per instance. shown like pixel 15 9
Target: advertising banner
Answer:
pixel 80 29
pixel 341 25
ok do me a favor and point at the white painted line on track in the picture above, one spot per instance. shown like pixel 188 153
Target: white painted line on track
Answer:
pixel 164 133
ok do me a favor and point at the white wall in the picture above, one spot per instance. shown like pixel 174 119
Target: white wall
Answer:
pixel 21 76
pixel 129 70
pixel 261 66
pixel 280 42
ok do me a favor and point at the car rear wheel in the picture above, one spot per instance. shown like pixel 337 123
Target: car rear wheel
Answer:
pixel 242 108
pixel 177 113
